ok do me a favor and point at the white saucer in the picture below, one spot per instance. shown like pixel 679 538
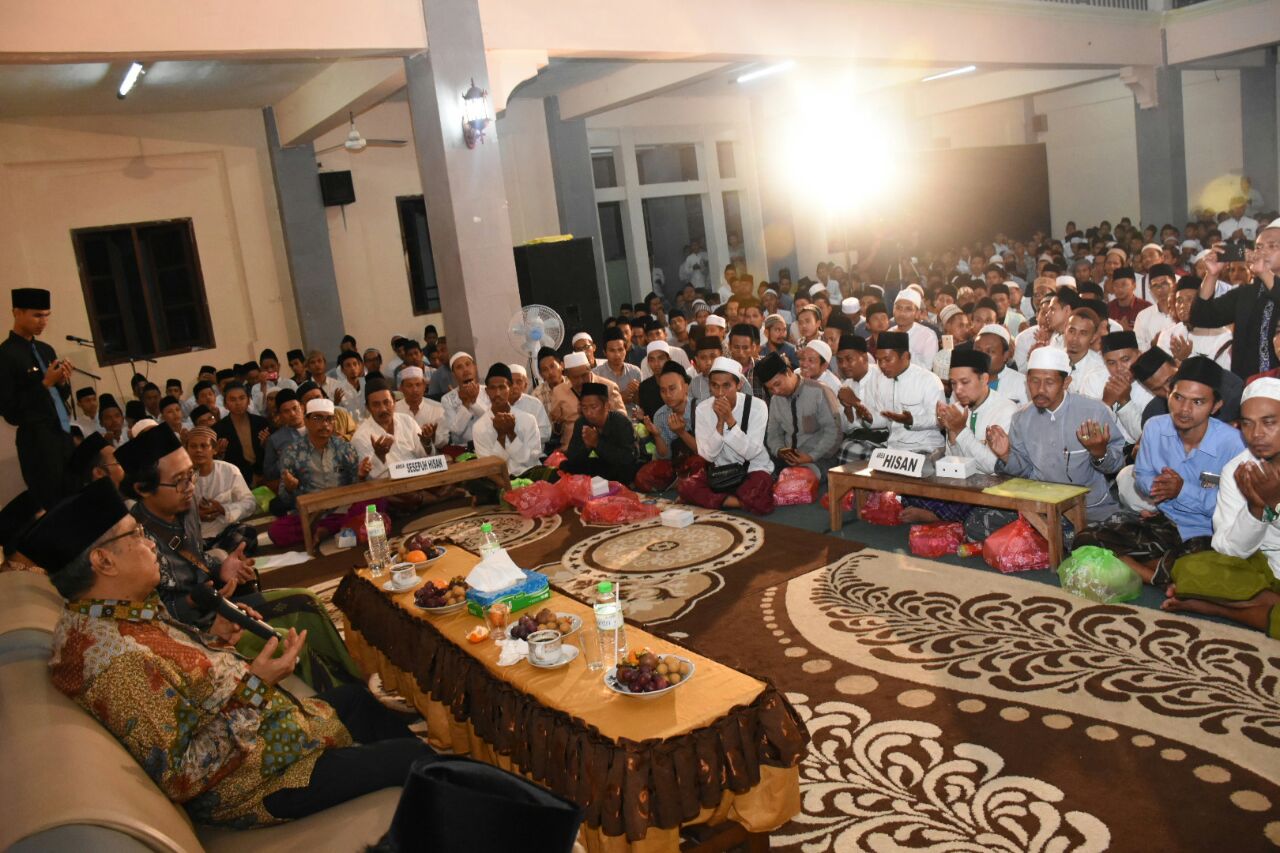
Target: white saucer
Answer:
pixel 568 654
pixel 390 585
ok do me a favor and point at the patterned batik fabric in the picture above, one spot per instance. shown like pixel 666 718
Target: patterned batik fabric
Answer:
pixel 211 735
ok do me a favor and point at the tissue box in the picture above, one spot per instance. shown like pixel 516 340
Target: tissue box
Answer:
pixel 676 517
pixel 957 467
pixel 599 487
pixel 533 590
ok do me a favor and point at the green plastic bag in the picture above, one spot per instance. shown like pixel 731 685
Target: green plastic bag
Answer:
pixel 263 497
pixel 1099 575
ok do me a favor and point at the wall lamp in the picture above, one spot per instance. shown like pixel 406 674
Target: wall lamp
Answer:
pixel 476 115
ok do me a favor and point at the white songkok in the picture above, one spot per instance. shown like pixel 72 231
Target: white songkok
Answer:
pixel 908 295
pixel 657 346
pixel 140 427
pixel 518 369
pixel 576 359
pixel 815 289
pixel 1264 387
pixel 456 356
pixel 821 348
pixel 726 365
pixel 851 305
pixel 1275 223
pixel 1158 248
pixel 1066 281
pixel 996 329
pixel 716 320
pixel 945 315
pixel 320 405
pixel 582 336
pixel 1049 358
pixel 411 372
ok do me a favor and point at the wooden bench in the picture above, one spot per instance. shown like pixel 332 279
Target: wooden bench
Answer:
pixel 1044 516
pixel 314 503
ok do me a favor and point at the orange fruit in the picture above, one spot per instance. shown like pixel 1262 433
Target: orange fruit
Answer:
pixel 478 634
pixel 415 557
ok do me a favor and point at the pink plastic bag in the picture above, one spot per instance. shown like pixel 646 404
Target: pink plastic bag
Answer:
pixel 934 540
pixel 555 459
pixel 1016 547
pixel 796 486
pixel 617 509
pixel 537 500
pixel 882 508
pixel 846 503
pixel 576 489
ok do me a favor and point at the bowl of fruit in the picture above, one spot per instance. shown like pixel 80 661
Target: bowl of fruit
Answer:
pixel 439 597
pixel 565 623
pixel 419 549
pixel 646 675
pixel 523 627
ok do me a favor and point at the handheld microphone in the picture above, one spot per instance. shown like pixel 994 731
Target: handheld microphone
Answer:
pixel 207 598
pixel 78 340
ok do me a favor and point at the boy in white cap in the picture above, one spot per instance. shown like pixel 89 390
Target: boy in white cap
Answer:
pixel 994 340
pixel 730 431
pixel 907 308
pixel 815 356
pixel 1059 438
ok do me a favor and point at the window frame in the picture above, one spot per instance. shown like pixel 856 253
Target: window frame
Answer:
pixel 403 201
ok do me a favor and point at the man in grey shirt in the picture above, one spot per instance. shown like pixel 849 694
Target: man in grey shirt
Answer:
pixel 803 425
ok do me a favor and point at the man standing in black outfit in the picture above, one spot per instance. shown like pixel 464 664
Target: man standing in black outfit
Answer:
pixel 1254 308
pixel 34 385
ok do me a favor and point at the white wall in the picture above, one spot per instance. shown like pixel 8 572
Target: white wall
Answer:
pixel 1213 136
pixel 999 123
pixel 526 170
pixel 57 174
pixel 1093 153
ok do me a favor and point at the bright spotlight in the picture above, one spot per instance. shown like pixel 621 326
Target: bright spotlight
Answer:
pixel 767 71
pixel 130 79
pixel 954 72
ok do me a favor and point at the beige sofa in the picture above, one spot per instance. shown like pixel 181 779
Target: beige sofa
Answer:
pixel 69 785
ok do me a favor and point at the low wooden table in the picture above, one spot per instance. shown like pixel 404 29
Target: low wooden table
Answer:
pixel 1044 516
pixel 483 468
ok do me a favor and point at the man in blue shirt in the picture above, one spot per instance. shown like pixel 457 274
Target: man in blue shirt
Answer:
pixel 1180 459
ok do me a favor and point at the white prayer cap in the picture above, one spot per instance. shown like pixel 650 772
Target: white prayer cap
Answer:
pixel 1049 358
pixel 657 346
pixel 717 321
pixel 1195 244
pixel 908 295
pixel 774 319
pixel 1275 223
pixel 821 348
pixel 411 372
pixel 771 290
pixel 850 305
pixel 582 336
pixel 815 289
pixel 1155 246
pixel 1066 281
pixel 576 359
pixel 996 259
pixel 996 329
pixel 140 427
pixel 916 287
pixel 1200 256
pixel 518 368
pixel 320 405
pixel 1045 257
pixel 1264 387
pixel 945 315
pixel 726 365
pixel 458 355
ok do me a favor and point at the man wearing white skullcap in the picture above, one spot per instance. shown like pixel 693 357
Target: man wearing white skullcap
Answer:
pixel 465 404
pixel 1059 438
pixel 584 343
pixel 1254 308
pixel 322 461
pixel 521 400
pixel 730 430
pixel 565 398
pixel 994 340
pixel 907 314
pixel 426 413
pixel 815 357
pixel 852 309
pixel 1244 573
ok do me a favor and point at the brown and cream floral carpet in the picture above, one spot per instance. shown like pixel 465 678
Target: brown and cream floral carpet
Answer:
pixel 952 709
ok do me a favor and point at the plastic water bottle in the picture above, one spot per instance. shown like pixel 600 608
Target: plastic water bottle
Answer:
pixel 609 625
pixel 489 543
pixel 379 550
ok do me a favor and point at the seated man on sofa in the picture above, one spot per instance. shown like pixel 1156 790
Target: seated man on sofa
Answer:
pixel 212 729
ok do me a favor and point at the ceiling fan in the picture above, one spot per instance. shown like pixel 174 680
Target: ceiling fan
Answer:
pixel 355 142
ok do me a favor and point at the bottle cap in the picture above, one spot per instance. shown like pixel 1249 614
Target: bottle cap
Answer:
pixel 486 527
pixel 604 586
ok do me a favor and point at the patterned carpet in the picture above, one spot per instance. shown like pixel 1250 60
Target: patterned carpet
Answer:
pixel 951 709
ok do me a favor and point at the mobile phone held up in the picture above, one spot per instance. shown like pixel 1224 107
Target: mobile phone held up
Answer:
pixel 1231 252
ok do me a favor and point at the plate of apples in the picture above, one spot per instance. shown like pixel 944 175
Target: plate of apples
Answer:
pixel 647 675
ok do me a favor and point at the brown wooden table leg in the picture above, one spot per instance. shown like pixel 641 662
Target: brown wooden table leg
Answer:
pixel 308 535
pixel 1054 534
pixel 836 490
pixel 859 501
pixel 1075 512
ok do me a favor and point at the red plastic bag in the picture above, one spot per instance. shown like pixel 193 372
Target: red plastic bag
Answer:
pixel 934 540
pixel 555 459
pixel 795 486
pixel 655 476
pixel 617 509
pixel 576 488
pixel 846 503
pixel 537 500
pixel 882 508
pixel 1016 547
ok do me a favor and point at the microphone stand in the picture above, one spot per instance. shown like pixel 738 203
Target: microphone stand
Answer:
pixel 84 342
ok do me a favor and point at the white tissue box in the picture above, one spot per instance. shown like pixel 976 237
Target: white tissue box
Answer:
pixel 599 486
pixel 956 467
pixel 676 517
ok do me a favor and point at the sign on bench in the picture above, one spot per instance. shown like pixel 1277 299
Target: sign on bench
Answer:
pixel 901 462
pixel 418 467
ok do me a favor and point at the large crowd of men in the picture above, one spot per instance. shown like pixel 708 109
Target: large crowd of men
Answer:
pixel 1140 363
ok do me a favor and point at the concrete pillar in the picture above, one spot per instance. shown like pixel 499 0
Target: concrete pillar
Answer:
pixel 576 186
pixel 306 240
pixel 775 202
pixel 1258 114
pixel 1162 156
pixel 462 187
